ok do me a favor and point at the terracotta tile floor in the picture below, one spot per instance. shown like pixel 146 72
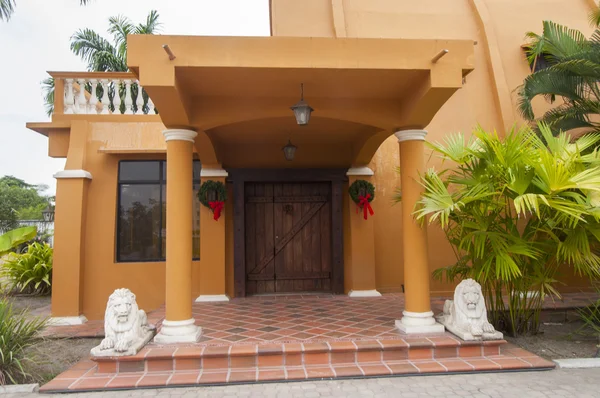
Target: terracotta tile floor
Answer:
pixel 291 338
pixel 297 318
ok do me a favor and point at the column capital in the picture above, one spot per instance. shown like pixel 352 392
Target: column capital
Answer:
pixel 179 135
pixel 359 171
pixel 410 135
pixel 72 174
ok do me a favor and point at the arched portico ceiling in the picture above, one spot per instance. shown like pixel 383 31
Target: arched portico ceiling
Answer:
pixel 225 85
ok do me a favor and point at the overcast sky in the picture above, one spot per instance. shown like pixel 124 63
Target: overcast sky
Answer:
pixel 36 40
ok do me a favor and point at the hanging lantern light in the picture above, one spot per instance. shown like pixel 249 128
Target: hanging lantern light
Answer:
pixel 289 151
pixel 302 110
pixel 48 213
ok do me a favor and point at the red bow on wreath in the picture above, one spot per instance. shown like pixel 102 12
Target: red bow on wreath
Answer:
pixel 217 207
pixel 363 203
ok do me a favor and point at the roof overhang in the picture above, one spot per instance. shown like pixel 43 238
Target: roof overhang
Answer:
pixel 385 84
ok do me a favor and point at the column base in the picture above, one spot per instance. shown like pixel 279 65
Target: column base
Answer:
pixel 67 320
pixel 419 323
pixel 364 293
pixel 209 298
pixel 178 332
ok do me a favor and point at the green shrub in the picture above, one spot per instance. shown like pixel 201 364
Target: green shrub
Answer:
pixel 515 209
pixel 18 332
pixel 30 272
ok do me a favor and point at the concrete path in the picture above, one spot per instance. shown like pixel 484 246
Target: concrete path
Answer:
pixel 580 383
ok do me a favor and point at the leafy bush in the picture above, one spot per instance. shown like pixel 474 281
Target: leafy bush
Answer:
pixel 18 332
pixel 12 239
pixel 30 272
pixel 515 210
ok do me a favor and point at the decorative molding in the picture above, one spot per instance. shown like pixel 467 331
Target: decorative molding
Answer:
pixel 67 320
pixel 419 322
pixel 179 135
pixel 209 298
pixel 72 174
pixel 410 135
pixel 178 332
pixel 360 171
pixel 213 173
pixel 364 293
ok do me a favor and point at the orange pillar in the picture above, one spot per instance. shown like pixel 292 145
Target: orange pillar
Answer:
pixel 417 315
pixel 212 245
pixel 359 270
pixel 179 324
pixel 69 232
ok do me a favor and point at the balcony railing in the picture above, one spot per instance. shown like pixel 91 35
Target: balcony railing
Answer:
pixel 104 93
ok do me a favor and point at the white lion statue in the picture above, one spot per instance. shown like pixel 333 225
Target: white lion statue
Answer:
pixel 466 315
pixel 126 327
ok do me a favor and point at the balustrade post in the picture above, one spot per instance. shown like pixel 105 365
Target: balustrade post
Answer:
pixel 139 102
pixel 105 97
pixel 59 96
pixel 69 97
pixel 93 97
pixel 117 96
pixel 128 99
pixel 81 100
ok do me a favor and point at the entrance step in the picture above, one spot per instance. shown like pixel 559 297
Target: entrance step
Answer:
pixel 184 365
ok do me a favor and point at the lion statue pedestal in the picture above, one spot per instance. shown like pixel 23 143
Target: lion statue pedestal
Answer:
pixel 466 315
pixel 126 327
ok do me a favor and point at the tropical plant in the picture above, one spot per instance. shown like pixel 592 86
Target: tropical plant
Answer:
pixel 100 54
pixel 15 237
pixel 18 332
pixel 18 199
pixel 7 8
pixel 29 272
pixel 515 210
pixel 570 72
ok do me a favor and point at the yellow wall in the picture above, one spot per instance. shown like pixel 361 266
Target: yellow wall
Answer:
pixel 488 98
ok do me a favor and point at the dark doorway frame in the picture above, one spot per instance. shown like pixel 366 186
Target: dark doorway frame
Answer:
pixel 239 178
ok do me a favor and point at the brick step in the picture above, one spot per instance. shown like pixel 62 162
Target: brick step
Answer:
pixel 154 358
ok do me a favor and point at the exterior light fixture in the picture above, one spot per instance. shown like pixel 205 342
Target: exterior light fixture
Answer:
pixel 302 110
pixel 48 213
pixel 289 151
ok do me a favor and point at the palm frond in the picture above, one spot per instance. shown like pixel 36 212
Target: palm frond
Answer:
pixel 151 26
pixel 7 8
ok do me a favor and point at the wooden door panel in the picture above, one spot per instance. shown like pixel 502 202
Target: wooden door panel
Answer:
pixel 288 237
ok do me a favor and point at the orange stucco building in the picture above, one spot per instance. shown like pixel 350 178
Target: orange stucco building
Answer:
pixel 380 75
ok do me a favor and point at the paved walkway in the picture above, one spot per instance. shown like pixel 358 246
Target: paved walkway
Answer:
pixel 580 383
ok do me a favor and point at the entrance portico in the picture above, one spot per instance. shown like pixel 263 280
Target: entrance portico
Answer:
pixel 228 98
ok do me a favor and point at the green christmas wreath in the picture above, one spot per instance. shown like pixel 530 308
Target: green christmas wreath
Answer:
pixel 212 186
pixel 361 187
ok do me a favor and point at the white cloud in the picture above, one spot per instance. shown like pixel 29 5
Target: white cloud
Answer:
pixel 37 38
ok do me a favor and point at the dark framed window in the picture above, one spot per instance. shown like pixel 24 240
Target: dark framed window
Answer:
pixel 142 211
pixel 541 61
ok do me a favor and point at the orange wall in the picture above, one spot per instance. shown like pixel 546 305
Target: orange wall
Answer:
pixel 488 98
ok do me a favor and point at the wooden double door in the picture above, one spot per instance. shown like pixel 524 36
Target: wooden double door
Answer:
pixel 288 239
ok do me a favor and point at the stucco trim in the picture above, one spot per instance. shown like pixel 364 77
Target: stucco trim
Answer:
pixel 359 171
pixel 179 135
pixel 67 320
pixel 209 298
pixel 72 174
pixel 410 135
pixel 213 173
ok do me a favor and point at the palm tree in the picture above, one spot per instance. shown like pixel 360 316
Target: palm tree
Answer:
pixel 515 210
pixel 7 8
pixel 572 73
pixel 100 54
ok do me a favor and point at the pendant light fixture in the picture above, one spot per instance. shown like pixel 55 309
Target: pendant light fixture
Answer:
pixel 302 110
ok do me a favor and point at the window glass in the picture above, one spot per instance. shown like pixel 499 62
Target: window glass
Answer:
pixel 142 211
pixel 139 223
pixel 139 171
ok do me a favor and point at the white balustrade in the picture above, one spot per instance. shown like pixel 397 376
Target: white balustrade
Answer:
pixel 81 97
